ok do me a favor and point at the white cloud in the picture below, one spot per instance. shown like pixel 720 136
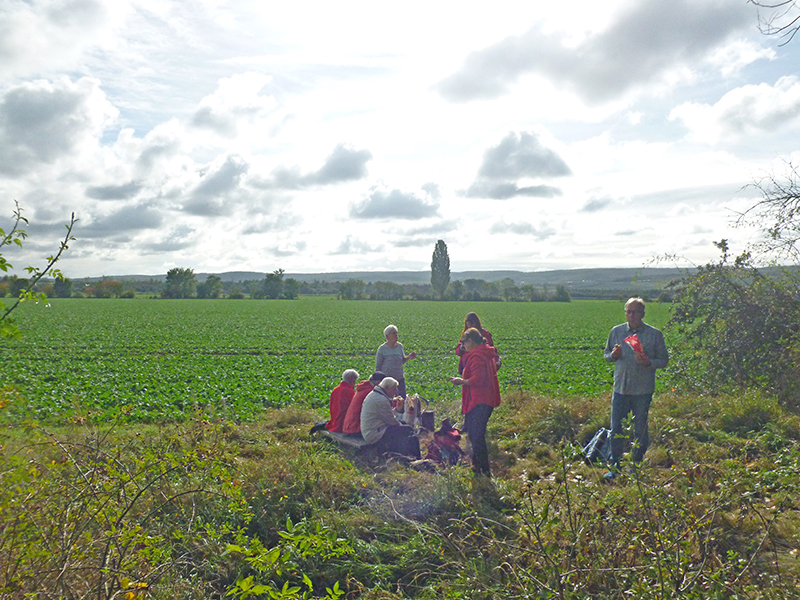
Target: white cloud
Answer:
pixel 236 103
pixel 323 144
pixel 747 110
pixel 47 35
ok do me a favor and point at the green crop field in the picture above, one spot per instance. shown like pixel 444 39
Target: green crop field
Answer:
pixel 160 358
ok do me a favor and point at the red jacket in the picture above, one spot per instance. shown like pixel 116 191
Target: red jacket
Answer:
pixel 480 373
pixel 352 420
pixel 462 352
pixel 340 400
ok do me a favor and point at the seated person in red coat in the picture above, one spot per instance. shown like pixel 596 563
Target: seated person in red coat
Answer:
pixel 341 396
pixel 352 420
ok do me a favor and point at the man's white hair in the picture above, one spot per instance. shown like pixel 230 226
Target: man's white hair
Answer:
pixel 350 376
pixel 389 383
pixel 389 329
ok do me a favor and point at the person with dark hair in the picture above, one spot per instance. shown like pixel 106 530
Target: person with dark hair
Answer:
pixel 352 420
pixel 480 394
pixel 637 350
pixel 380 426
pixel 472 322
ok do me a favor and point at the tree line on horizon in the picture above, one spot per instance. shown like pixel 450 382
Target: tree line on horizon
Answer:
pixel 274 286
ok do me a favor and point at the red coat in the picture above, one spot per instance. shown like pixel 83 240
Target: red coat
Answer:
pixel 480 373
pixel 340 400
pixel 462 353
pixel 352 420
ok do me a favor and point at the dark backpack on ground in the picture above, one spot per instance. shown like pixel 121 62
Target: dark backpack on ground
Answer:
pixel 598 448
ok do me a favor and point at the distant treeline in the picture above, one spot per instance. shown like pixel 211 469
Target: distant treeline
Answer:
pixel 183 284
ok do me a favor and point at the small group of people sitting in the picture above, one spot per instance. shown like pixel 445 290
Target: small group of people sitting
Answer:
pixel 372 408
pixel 367 409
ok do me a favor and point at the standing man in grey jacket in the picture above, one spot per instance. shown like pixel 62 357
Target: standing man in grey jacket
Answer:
pixel 637 350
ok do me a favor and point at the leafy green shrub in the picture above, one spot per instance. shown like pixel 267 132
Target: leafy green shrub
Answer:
pixel 736 328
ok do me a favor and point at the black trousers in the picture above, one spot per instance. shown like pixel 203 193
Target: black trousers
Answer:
pixel 400 439
pixel 475 425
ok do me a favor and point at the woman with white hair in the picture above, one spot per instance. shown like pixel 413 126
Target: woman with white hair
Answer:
pixel 340 399
pixel 391 357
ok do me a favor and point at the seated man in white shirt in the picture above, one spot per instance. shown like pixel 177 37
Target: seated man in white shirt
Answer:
pixel 380 426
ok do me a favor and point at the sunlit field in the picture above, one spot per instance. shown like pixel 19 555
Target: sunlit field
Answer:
pixel 158 358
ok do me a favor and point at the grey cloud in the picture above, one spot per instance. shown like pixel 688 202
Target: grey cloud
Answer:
pixel 40 122
pixel 124 191
pixel 627 232
pixel 415 242
pixel 433 190
pixel 343 164
pixel 280 223
pixel 158 148
pixel 693 196
pixel 393 204
pixel 517 156
pixel 648 39
pixel 127 219
pixel 522 155
pixel 435 229
pixel 210 196
pixel 291 250
pixel 220 123
pixel 542 232
pixel 178 238
pixel 504 191
pixel 595 205
pixel 353 245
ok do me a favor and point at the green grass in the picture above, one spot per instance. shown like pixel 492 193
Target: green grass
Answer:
pixel 162 359
pixel 188 509
pixel 199 503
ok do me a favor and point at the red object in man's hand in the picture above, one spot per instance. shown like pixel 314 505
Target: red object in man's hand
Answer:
pixel 633 341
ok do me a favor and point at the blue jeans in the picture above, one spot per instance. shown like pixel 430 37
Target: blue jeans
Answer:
pixel 621 406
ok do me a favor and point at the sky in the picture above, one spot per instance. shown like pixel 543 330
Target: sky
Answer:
pixel 323 137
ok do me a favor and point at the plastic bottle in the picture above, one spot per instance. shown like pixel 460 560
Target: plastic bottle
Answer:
pixel 411 417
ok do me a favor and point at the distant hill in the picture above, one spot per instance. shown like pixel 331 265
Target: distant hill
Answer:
pixel 581 283
pixel 581 278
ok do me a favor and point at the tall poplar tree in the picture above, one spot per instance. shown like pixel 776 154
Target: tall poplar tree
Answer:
pixel 440 268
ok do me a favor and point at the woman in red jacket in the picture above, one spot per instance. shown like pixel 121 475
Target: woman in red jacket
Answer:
pixel 480 393
pixel 472 322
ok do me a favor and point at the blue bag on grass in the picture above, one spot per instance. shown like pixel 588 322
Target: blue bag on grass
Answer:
pixel 598 448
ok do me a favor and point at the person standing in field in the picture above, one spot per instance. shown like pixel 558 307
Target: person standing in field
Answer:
pixel 480 394
pixel 391 357
pixel 380 426
pixel 352 420
pixel 637 350
pixel 472 322
pixel 341 396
